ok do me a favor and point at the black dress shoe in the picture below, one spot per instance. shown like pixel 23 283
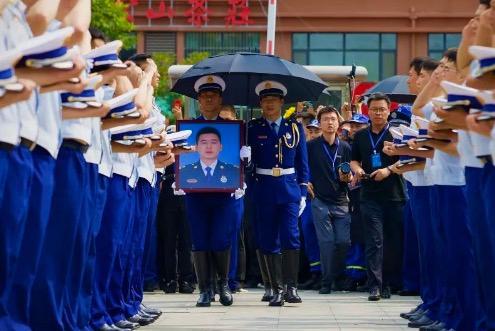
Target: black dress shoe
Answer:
pixel 325 289
pixel 413 311
pixel 407 293
pixel 204 299
pixel 291 295
pixel 422 321
pixel 419 314
pixel 386 294
pixel 277 299
pixel 127 325
pixel 140 320
pixel 374 294
pixel 150 311
pixel 186 287
pixel 437 326
pixel 106 327
pixel 268 295
pixel 146 315
pixel 170 287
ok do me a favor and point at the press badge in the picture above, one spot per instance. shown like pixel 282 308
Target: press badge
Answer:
pixel 376 160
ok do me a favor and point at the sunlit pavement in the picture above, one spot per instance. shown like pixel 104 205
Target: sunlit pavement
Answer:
pixel 336 311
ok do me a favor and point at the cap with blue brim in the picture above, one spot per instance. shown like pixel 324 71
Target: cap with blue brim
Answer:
pixel 87 98
pixel 178 139
pixel 133 131
pixel 488 111
pixel 105 56
pixel 485 57
pixel 313 124
pixel 123 105
pixel 48 50
pixel 359 119
pixel 8 79
pixel 460 97
pixel 401 115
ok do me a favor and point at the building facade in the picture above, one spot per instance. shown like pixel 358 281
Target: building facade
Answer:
pixel 382 35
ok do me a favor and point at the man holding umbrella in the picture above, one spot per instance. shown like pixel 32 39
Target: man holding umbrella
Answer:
pixel 280 163
pixel 211 216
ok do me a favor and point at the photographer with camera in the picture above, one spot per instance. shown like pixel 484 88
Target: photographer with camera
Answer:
pixel 330 171
pixel 382 200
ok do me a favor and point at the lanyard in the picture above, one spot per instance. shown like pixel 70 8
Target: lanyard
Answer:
pixel 373 143
pixel 334 158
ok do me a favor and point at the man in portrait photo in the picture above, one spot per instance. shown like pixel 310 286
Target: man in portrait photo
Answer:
pixel 209 171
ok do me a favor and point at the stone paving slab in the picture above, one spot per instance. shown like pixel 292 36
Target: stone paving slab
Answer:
pixel 337 311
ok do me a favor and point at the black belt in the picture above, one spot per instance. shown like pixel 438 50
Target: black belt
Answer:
pixel 72 144
pixel 486 159
pixel 29 144
pixel 6 146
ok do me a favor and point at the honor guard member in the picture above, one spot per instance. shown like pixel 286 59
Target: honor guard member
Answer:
pixel 211 216
pixel 280 162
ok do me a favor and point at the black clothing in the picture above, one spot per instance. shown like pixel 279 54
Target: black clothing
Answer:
pixel 389 189
pixel 324 177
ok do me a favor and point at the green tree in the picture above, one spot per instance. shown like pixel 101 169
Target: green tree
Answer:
pixel 110 16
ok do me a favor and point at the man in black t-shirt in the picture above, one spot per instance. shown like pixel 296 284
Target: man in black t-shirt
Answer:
pixel 382 200
pixel 326 155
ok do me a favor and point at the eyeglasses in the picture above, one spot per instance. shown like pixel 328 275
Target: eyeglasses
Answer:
pixel 378 109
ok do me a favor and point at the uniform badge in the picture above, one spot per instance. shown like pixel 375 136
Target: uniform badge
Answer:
pixel 192 180
pixel 287 135
pixel 221 167
pixel 223 179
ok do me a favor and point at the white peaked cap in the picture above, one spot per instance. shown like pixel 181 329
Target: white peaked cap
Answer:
pixel 452 88
pixel 181 135
pixel 46 42
pixel 133 127
pixel 486 97
pixel 421 122
pixel 112 47
pixel 396 133
pixel 407 131
pixel 270 85
pixel 122 99
pixel 210 81
pixel 482 52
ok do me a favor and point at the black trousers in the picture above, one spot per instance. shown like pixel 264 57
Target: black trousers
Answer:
pixel 384 242
pixel 174 242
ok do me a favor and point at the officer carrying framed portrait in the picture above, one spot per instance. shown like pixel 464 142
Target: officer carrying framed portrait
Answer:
pixel 212 163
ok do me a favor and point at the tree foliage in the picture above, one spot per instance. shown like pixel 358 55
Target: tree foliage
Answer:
pixel 110 16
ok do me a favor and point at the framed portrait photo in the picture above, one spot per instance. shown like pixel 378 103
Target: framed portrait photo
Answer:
pixel 214 164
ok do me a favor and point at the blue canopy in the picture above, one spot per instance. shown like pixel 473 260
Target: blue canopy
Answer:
pixel 243 71
pixel 395 87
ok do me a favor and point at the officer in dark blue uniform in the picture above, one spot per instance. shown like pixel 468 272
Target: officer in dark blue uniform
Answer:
pixel 209 171
pixel 211 216
pixel 280 165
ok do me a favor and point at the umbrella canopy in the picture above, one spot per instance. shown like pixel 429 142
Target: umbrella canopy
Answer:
pixel 396 89
pixel 243 71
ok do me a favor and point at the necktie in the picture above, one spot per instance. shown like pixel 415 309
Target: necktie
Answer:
pixel 208 173
pixel 274 127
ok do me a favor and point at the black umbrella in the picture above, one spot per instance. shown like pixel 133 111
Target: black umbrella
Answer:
pixel 243 71
pixel 395 87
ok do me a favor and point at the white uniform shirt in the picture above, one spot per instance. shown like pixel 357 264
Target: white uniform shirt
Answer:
pixel 10 123
pixel 466 149
pixel 105 166
pixel 418 177
pixel 20 32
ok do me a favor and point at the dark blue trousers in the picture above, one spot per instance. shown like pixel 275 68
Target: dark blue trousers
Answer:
pixel 151 246
pixel 410 260
pixel 420 198
pixel 13 219
pixel 457 279
pixel 141 226
pixel 212 218
pixel 4 171
pixel 311 247
pixel 484 235
pixel 40 200
pixel 234 253
pixel 53 279
pixel 110 238
pixel 100 187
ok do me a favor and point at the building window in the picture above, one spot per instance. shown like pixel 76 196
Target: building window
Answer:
pixel 159 42
pixel 375 51
pixel 438 43
pixel 222 42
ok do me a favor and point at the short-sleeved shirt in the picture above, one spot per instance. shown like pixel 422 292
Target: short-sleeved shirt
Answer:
pixel 324 173
pixel 392 187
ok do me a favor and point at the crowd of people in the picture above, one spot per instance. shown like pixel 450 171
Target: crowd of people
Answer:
pixel 395 202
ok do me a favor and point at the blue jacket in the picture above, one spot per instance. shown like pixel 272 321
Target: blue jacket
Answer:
pixel 285 150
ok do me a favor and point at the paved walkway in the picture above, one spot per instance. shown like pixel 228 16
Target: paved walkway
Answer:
pixel 338 311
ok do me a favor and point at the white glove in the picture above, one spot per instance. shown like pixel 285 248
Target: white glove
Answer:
pixel 302 206
pixel 240 192
pixel 179 191
pixel 245 153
